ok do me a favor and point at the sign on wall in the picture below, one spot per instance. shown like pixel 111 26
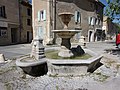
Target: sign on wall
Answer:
pixel 3 32
pixel 3 24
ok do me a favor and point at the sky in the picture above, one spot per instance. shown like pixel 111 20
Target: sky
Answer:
pixel 104 2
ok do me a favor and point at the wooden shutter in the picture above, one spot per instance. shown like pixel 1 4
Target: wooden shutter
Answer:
pixel 79 17
pixel 44 14
pixel 76 16
pixel 89 20
pixel 93 21
pixel 39 16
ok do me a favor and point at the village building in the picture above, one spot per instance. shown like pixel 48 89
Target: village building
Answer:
pixel 110 28
pixel 9 22
pixel 15 22
pixel 88 18
pixel 26 21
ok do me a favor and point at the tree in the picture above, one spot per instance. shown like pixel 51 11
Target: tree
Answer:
pixel 113 10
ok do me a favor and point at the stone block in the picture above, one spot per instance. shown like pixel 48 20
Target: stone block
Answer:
pixel 2 58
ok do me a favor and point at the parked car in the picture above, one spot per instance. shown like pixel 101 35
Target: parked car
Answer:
pixel 118 40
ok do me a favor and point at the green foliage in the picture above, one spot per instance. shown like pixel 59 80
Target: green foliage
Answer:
pixel 113 10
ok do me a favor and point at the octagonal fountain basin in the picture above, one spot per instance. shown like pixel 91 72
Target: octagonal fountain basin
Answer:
pixel 31 66
pixel 74 67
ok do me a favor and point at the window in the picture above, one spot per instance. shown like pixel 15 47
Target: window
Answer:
pixel 28 22
pixel 2 12
pixel 77 17
pixel 3 32
pixel 42 15
pixel 91 20
pixel 28 12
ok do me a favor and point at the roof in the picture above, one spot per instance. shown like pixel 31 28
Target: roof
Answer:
pixel 97 1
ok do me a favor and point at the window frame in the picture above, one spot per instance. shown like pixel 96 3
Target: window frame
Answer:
pixel 2 12
pixel 28 11
pixel 41 15
pixel 29 22
pixel 3 32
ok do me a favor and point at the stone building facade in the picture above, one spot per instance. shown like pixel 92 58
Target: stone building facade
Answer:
pixel 9 22
pixel 110 28
pixel 88 18
pixel 26 22
pixel 13 27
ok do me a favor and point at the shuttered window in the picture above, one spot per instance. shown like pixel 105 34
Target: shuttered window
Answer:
pixel 42 15
pixel 91 20
pixel 77 17
pixel 38 15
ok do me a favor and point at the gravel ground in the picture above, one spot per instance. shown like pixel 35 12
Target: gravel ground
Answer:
pixel 106 78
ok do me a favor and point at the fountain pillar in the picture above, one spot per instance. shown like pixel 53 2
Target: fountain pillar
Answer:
pixel 66 42
pixel 38 48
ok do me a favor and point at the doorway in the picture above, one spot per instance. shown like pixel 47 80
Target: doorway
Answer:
pixel 91 36
pixel 14 35
pixel 90 33
pixel 99 34
pixel 28 37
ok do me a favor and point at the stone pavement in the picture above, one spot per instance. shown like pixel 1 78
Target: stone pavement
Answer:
pixel 107 77
pixel 15 51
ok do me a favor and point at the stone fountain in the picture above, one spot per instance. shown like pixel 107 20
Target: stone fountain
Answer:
pixel 66 35
pixel 68 66
pixel 36 64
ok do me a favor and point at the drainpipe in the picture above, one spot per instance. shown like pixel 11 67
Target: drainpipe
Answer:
pixel 54 20
pixel 19 2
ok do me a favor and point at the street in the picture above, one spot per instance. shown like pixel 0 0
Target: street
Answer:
pixel 15 51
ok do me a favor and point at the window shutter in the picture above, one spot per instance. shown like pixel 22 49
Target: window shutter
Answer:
pixel 79 17
pixel 89 20
pixel 44 14
pixel 39 16
pixel 97 21
pixel 75 16
pixel 93 21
